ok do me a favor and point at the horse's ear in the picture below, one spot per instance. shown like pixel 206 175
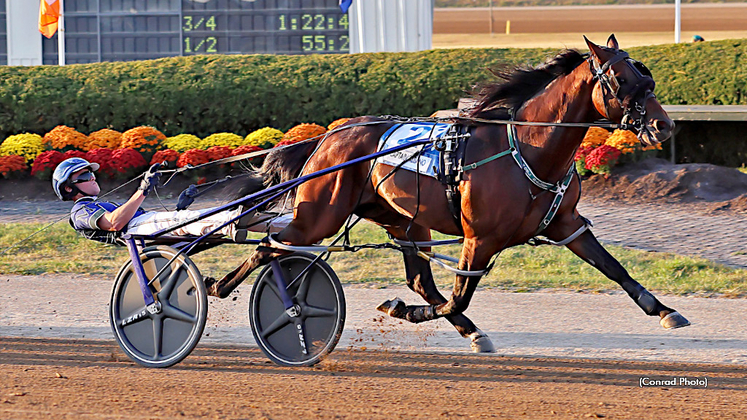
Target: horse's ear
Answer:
pixel 612 42
pixel 595 49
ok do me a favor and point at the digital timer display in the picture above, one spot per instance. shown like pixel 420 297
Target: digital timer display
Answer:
pixel 279 27
pixel 276 31
pixel 121 30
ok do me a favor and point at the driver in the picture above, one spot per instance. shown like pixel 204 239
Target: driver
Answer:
pixel 74 180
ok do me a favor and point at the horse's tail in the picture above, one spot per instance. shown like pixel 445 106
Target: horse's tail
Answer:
pixel 279 166
pixel 286 164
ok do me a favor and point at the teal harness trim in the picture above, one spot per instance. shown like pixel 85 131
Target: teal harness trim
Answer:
pixel 558 189
pixel 486 160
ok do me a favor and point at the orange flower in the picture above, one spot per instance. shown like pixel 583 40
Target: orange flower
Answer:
pixel 302 132
pixel 104 138
pixel 144 139
pixel 336 123
pixel 596 136
pixel 64 137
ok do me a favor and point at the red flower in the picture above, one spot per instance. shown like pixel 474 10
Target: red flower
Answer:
pixel 582 152
pixel 193 157
pixel 602 159
pixel 218 152
pixel 12 165
pixel 45 163
pixel 242 150
pixel 169 156
pixel 127 162
pixel 74 153
pixel 285 143
pixel 103 157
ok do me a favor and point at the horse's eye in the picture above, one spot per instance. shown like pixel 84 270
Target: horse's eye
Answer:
pixel 621 80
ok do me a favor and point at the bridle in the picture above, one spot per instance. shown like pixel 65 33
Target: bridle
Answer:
pixel 635 99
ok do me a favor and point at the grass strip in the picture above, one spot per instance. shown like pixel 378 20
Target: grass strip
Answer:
pixel 522 269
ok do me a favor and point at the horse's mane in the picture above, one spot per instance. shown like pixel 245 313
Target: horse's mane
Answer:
pixel 518 85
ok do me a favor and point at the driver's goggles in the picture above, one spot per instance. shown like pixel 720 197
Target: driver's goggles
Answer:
pixel 84 177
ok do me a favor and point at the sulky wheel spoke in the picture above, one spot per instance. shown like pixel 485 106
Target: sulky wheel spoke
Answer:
pixel 303 288
pixel 176 313
pixel 134 317
pixel 273 287
pixel 157 337
pixel 168 285
pixel 302 342
pixel 312 312
pixel 279 323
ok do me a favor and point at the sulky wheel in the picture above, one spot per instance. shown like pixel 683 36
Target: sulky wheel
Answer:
pixel 165 338
pixel 306 333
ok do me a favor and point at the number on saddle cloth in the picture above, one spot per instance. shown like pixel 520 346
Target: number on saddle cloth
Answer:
pixel 429 160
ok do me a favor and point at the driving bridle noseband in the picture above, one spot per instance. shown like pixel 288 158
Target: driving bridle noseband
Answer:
pixel 635 99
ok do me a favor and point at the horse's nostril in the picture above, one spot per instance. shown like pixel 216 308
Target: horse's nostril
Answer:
pixel 663 125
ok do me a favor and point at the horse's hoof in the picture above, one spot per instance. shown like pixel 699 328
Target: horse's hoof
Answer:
pixel 674 320
pixel 395 307
pixel 481 343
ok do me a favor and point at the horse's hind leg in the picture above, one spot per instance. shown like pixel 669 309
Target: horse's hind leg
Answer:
pixel 590 250
pixel 475 257
pixel 420 280
pixel 316 218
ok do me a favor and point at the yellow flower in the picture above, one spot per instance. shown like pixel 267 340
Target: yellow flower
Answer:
pixel 264 137
pixel 26 145
pixel 623 140
pixel 182 142
pixel 222 139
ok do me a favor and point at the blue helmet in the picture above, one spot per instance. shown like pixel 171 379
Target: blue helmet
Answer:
pixel 65 169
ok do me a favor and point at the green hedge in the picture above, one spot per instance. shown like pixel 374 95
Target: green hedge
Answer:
pixel 207 94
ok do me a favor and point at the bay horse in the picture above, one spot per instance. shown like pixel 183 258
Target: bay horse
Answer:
pixel 502 204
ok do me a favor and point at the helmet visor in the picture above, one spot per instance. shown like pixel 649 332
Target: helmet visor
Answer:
pixel 86 176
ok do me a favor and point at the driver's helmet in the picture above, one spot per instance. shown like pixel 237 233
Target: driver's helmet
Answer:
pixel 65 169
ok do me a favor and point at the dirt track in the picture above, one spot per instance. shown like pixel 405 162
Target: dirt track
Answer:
pixel 75 379
pixel 587 19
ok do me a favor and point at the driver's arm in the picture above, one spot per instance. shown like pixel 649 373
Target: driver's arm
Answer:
pixel 119 218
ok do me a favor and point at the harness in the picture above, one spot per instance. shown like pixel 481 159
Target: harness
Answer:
pixel 559 188
pixel 452 147
pixel 638 96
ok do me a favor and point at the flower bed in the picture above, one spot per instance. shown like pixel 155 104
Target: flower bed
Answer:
pixel 12 166
pixel 125 155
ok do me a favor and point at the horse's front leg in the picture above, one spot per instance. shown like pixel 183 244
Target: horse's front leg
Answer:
pixel 590 250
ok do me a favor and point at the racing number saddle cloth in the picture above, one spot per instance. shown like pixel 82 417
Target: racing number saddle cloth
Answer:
pixel 442 159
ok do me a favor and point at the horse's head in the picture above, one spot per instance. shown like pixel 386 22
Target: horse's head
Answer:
pixel 624 93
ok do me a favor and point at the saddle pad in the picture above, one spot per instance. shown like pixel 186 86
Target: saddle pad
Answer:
pixel 404 133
